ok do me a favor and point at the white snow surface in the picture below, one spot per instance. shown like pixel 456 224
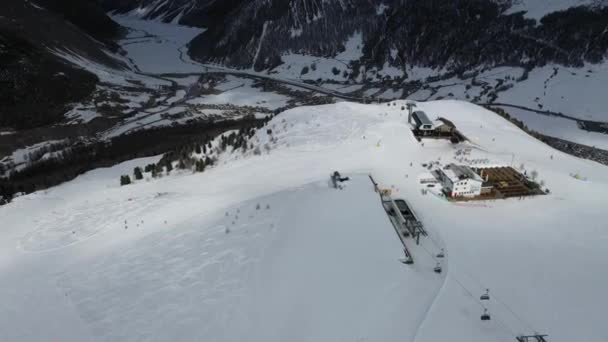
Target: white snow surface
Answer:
pixel 20 157
pixel 188 257
pixel 536 9
pixel 579 92
pixel 559 127
pixel 107 74
pixel 239 91
pixel 321 67
pixel 158 47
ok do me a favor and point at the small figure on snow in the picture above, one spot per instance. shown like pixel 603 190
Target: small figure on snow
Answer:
pixel 337 178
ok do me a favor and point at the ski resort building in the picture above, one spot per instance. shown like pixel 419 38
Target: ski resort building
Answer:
pixel 423 127
pixel 445 126
pixel 422 121
pixel 460 181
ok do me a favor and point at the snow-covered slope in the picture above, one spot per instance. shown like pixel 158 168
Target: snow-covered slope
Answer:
pixel 191 257
pixel 536 9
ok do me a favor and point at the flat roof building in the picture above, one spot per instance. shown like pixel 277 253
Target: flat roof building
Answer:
pixel 422 121
pixel 460 181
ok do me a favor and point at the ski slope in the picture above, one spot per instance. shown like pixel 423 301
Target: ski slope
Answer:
pixel 190 257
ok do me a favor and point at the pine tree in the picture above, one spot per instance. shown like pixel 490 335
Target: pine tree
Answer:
pixel 200 166
pixel 137 173
pixel 197 149
pixel 159 169
pixel 125 180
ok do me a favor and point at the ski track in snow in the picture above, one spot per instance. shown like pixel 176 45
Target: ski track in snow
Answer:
pixel 319 264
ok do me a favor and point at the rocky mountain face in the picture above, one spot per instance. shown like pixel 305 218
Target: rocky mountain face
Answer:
pixel 37 86
pixel 456 35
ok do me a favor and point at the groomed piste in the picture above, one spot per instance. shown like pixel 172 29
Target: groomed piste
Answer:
pixel 260 247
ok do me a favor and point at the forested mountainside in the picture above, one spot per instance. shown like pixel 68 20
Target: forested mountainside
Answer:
pixel 457 35
pixel 37 85
pixel 88 16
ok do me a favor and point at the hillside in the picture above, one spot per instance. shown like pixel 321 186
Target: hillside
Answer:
pixel 545 56
pixel 38 87
pixel 260 247
pixel 258 34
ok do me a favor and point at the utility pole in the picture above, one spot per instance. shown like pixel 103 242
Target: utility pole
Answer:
pixel 410 106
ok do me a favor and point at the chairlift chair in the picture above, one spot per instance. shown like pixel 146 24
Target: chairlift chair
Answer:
pixel 437 268
pixel 408 261
pixel 441 254
pixel 485 316
pixel 485 296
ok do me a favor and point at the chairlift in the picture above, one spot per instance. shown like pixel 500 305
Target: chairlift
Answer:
pixel 485 316
pixel 437 268
pixel 441 254
pixel 485 296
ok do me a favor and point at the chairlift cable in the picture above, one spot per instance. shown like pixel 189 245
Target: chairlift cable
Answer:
pixel 470 294
pixel 495 318
pixel 522 321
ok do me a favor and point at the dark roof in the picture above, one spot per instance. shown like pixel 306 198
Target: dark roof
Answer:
pixel 421 118
pixel 447 122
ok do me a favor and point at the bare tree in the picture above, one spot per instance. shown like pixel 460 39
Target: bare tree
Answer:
pixel 534 174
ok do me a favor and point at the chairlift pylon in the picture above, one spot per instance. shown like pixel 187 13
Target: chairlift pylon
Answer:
pixel 437 268
pixel 408 260
pixel 485 316
pixel 485 296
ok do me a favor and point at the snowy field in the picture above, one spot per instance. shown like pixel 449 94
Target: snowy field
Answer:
pixel 239 91
pixel 158 47
pixel 20 157
pixel 191 257
pixel 559 127
pixel 578 92
pixel 536 9
pixel 307 67
pixel 122 77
